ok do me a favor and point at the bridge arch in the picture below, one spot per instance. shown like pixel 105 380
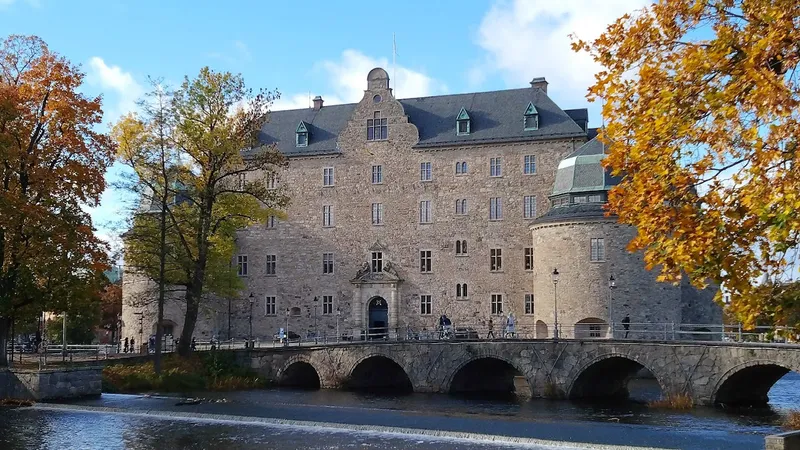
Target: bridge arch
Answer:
pixel 749 383
pixel 606 377
pixel 299 372
pixel 378 372
pixel 488 373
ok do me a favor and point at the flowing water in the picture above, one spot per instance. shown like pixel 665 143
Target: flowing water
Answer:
pixel 287 419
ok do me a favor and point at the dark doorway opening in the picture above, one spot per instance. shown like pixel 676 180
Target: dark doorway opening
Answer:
pixel 378 318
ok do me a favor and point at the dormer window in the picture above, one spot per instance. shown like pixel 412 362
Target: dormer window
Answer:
pixel 462 123
pixel 531 118
pixel 301 135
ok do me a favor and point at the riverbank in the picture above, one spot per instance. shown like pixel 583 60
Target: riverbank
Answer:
pixel 208 371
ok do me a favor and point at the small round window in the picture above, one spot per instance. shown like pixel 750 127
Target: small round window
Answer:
pixel 376 99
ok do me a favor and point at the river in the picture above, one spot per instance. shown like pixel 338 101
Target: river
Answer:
pixel 308 420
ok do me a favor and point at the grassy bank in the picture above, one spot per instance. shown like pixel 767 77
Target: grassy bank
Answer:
pixel 678 402
pixel 792 421
pixel 208 371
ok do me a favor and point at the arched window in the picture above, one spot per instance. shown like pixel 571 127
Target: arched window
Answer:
pixel 461 247
pixel 464 247
pixel 464 290
pixel 458 247
pixel 458 290
pixel 461 290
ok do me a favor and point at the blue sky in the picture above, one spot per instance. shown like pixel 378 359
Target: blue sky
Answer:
pixel 318 47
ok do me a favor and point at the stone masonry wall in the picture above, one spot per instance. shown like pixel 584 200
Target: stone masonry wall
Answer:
pixel 51 384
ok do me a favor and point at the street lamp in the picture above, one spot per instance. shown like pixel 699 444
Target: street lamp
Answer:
pixel 315 319
pixel 555 276
pixel 287 327
pixel 252 300
pixel 612 284
pixel 338 313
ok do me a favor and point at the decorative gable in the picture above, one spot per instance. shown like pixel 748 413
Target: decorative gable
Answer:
pixel 531 119
pixel 463 123
pixel 301 134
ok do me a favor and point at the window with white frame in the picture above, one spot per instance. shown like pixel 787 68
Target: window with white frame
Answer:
pixel 495 208
pixel 497 304
pixel 327 304
pixel 377 127
pixel 495 259
pixel 377 213
pixel 461 167
pixel 528 258
pixel 327 176
pixel 529 206
pixel 461 206
pixel 327 216
pixel 425 172
pixel 425 305
pixel 327 263
pixel 496 167
pixel 377 174
pixel 529 167
pixel 271 221
pixel 461 247
pixel 377 262
pixel 598 250
pixel 425 261
pixel 272 264
pixel 528 304
pixel 269 305
pixel 595 198
pixel 272 180
pixel 425 215
pixel 461 291
pixel 241 181
pixel 241 265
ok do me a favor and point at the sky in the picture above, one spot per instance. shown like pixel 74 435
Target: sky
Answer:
pixel 315 47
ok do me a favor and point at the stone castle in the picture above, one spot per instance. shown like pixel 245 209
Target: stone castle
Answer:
pixel 403 210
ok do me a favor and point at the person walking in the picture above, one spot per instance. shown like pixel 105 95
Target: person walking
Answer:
pixel 491 329
pixel 510 326
pixel 626 324
pixel 133 345
pixel 127 342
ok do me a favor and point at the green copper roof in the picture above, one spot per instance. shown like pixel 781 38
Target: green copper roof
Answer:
pixel 583 172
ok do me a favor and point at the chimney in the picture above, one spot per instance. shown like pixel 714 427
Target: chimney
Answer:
pixel 317 103
pixel 539 82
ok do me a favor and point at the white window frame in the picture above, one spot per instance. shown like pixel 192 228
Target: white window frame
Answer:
pixel 496 167
pixel 461 247
pixel 425 171
pixel 271 266
pixel 377 262
pixel 495 208
pixel 272 180
pixel 496 304
pixel 271 221
pixel 425 261
pixel 529 165
pixel 495 259
pixel 328 177
pixel 597 250
pixel 425 305
pixel 529 305
pixel 425 212
pixel 377 174
pixel 529 207
pixel 527 254
pixel 377 214
pixel 461 168
pixel 327 216
pixel 461 207
pixel 270 305
pixel 328 265
pixel 241 265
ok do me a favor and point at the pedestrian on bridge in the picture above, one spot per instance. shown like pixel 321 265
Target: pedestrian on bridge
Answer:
pixel 491 329
pixel 126 345
pixel 626 324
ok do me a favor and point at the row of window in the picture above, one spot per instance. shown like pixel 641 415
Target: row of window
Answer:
pixel 597 253
pixel 270 306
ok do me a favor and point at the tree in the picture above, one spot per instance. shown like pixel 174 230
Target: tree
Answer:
pixel 701 110
pixel 111 309
pixel 52 163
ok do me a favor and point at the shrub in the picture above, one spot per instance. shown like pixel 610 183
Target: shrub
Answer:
pixel 792 420
pixel 678 401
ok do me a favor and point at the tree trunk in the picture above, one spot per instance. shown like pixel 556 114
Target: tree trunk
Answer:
pixel 5 325
pixel 162 267
pixel 190 319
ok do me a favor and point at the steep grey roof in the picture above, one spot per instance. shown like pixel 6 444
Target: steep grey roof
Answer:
pixel 582 171
pixel 574 212
pixel 495 116
pixel 324 126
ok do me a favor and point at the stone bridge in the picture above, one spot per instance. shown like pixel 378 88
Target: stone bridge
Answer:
pixel 710 373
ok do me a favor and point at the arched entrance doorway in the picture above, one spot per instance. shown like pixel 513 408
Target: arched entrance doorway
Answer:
pixel 378 318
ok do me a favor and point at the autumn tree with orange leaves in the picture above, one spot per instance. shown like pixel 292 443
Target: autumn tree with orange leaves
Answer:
pixel 702 108
pixel 52 163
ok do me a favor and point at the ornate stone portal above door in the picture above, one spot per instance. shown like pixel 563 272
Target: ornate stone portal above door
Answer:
pixel 377 278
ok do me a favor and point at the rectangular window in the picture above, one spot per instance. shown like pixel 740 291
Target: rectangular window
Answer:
pixel 425 261
pixel 302 139
pixel 496 167
pixel 377 174
pixel 377 213
pixel 269 306
pixel 528 304
pixel 461 168
pixel 530 165
pixel 495 208
pixel 240 182
pixel 594 331
pixel 327 304
pixel 272 262
pixel 327 176
pixel 497 304
pixel 425 215
pixel 529 207
pixel 271 222
pixel 598 251
pixel 272 181
pixel 528 258
pixel 595 198
pixel 327 263
pixel 461 207
pixel 425 173
pixel 241 265
pixel 377 128
pixel 425 305
pixel 495 259
pixel 377 262
pixel 327 216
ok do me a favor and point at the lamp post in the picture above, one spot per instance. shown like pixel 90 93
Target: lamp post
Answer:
pixel 612 284
pixel 250 339
pixel 555 276
pixel 315 320
pixel 229 318
pixel 338 313
pixel 286 342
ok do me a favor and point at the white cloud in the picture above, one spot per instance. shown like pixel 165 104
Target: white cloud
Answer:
pixel 348 79
pixel 524 39
pixel 122 84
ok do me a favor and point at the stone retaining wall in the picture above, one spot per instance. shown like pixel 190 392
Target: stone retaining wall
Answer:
pixel 51 384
